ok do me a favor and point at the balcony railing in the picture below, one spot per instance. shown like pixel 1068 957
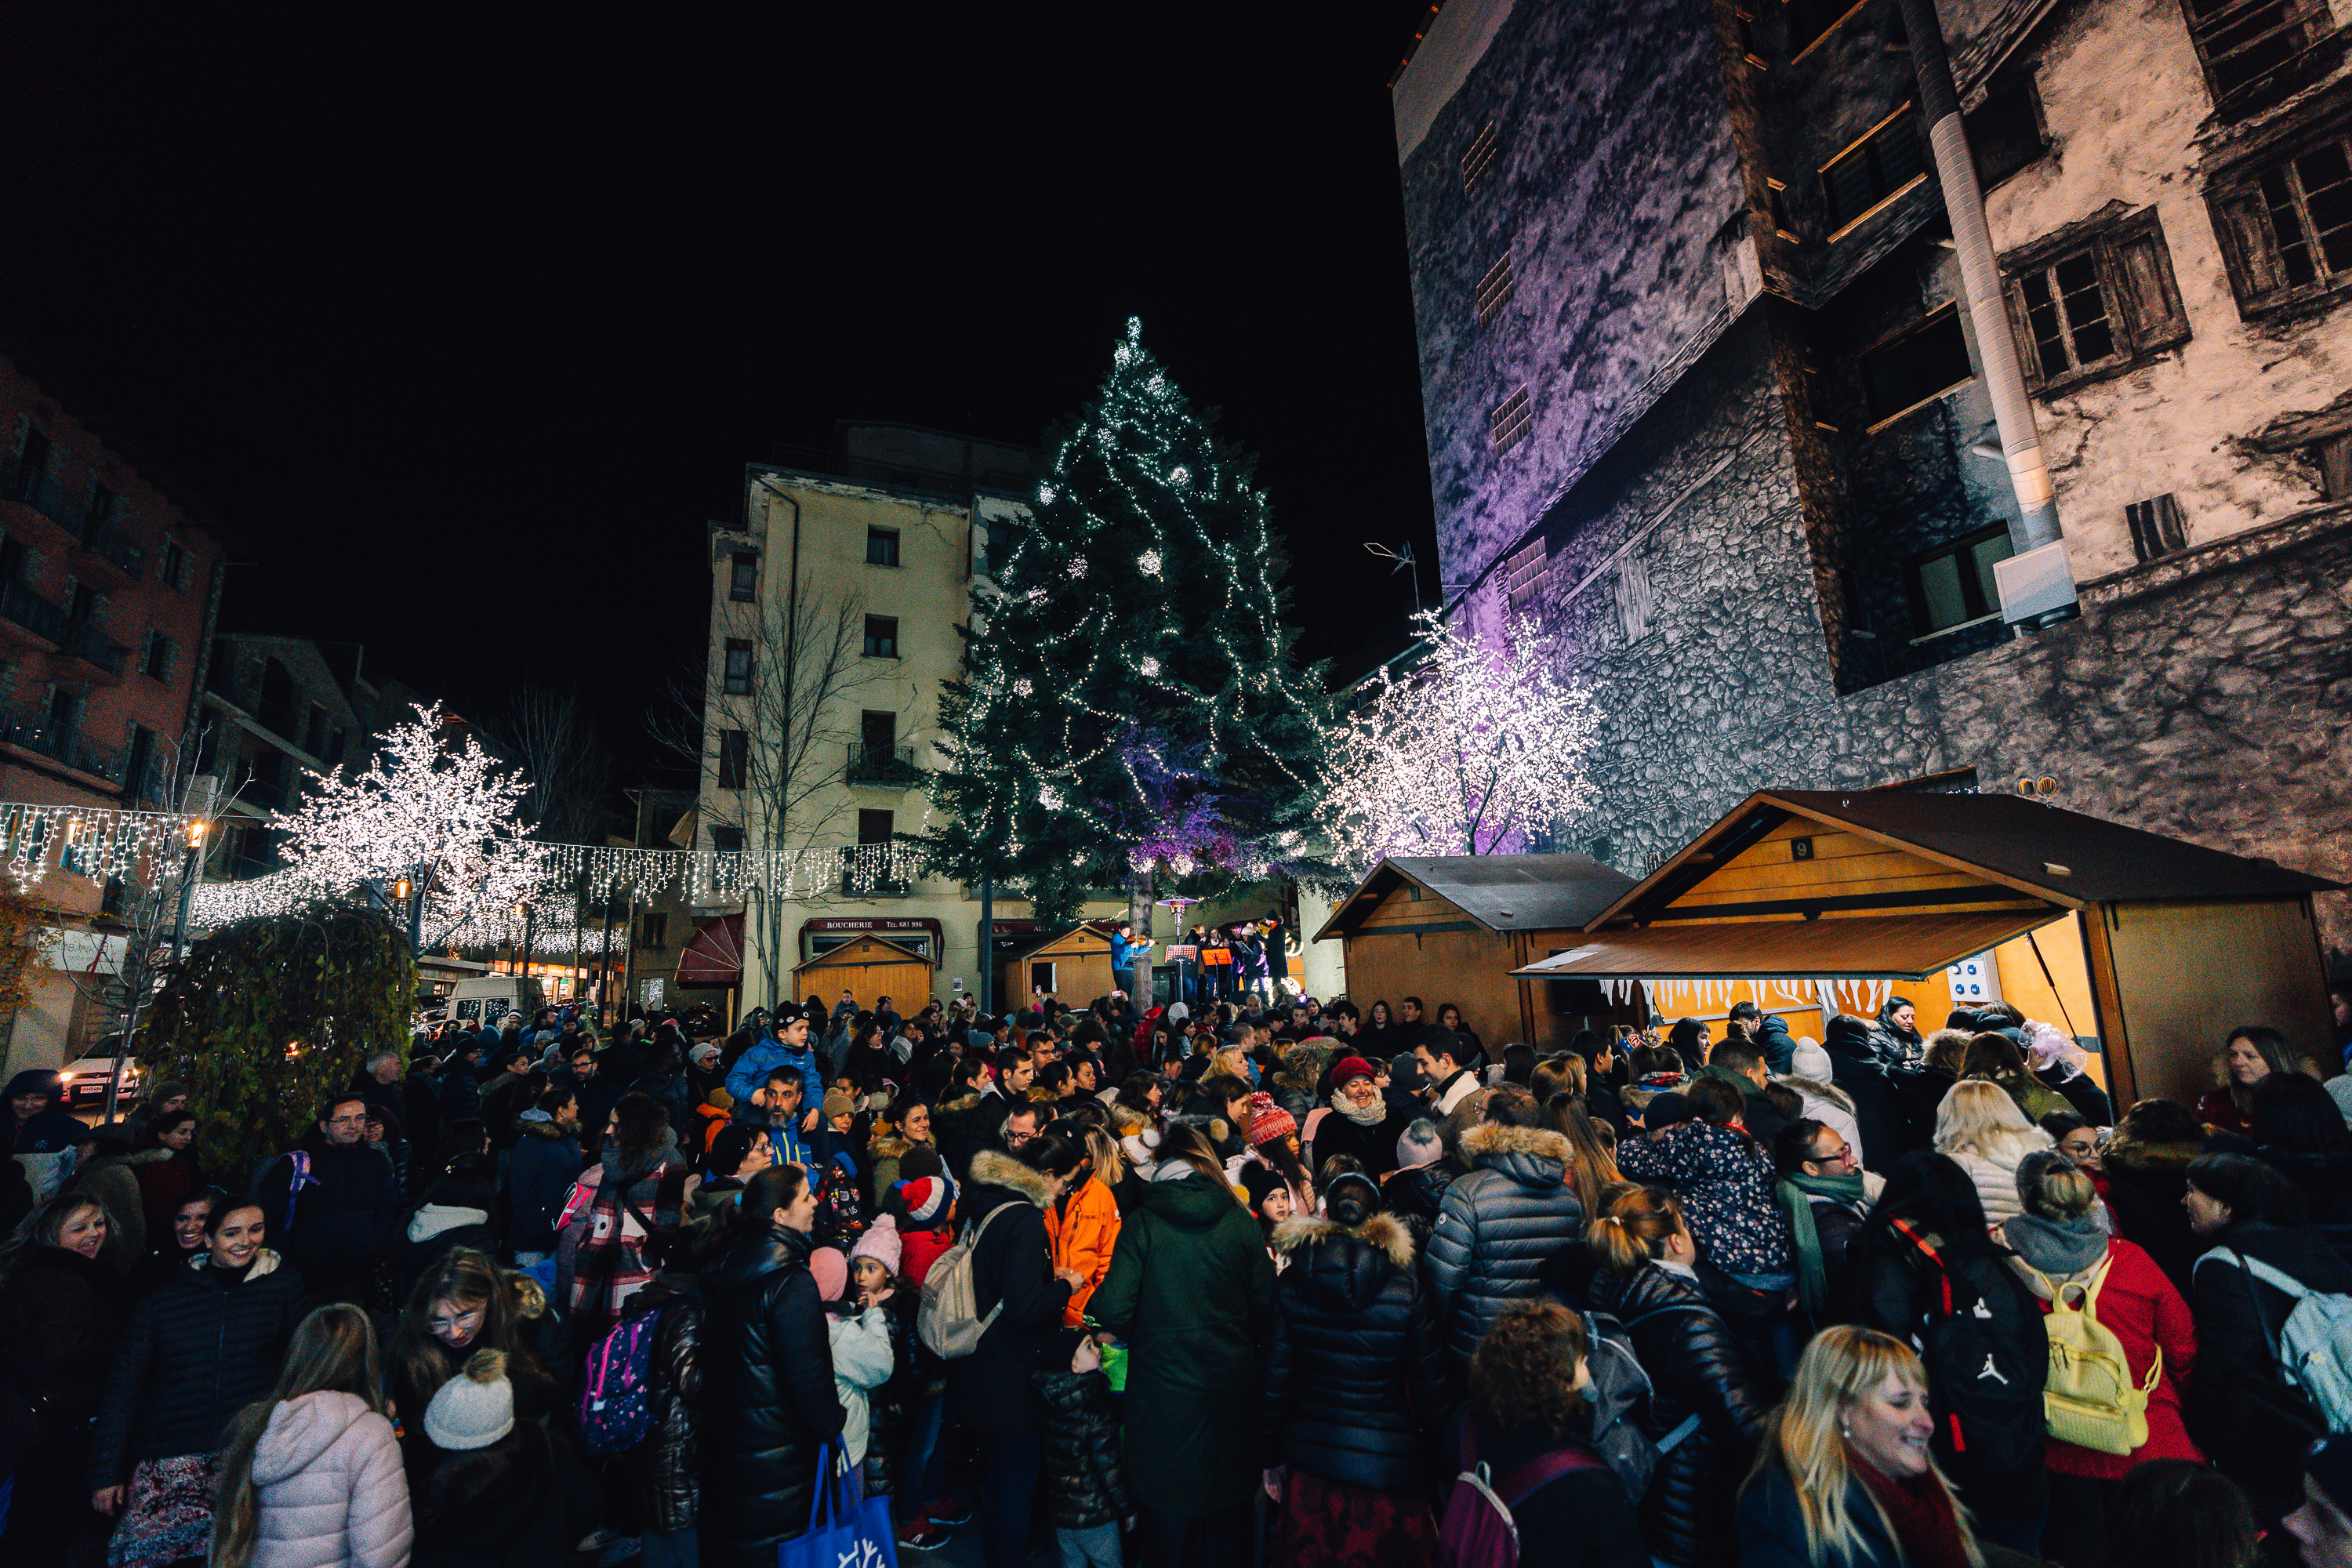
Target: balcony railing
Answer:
pixel 111 543
pixel 44 618
pixel 86 643
pixel 35 488
pixel 61 742
pixel 891 766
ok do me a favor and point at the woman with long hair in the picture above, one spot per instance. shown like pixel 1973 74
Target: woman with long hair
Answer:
pixel 1529 1399
pixel 889 1150
pixel 1082 1225
pixel 1844 1477
pixel 1378 1037
pixel 464 1303
pixel 1997 1058
pixel 1646 1276
pixel 620 1219
pixel 2249 1053
pixel 311 1476
pixel 61 1316
pixel 2060 1248
pixel 195 1352
pixel 1979 1128
pixel 1590 1165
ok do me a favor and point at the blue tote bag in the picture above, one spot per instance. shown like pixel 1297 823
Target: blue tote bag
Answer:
pixel 844 1531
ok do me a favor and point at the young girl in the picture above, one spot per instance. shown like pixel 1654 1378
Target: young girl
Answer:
pixel 873 1281
pixel 859 1336
pixel 312 1474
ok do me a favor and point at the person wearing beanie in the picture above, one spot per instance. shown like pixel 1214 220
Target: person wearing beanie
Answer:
pixel 1416 1193
pixel 500 1498
pixel 881 1242
pixel 1274 1146
pixel 922 1209
pixel 859 1338
pixel 1358 1121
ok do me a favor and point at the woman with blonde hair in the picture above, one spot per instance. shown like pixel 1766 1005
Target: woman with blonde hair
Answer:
pixel 1646 1276
pixel 1979 1128
pixel 311 1476
pixel 1590 1165
pixel 1844 1477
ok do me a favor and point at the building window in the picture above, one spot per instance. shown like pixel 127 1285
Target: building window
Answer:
pixel 1634 604
pixel 2256 51
pixel 1914 369
pixel 1478 157
pixel 1743 24
pixel 1004 532
pixel 2286 226
pixel 743 577
pixel 157 664
pixel 1509 420
pixel 881 547
pixel 881 637
pixel 734 758
pixel 1523 577
pixel 875 826
pixel 1776 202
pixel 1883 164
pixel 739 667
pixel 2155 527
pixel 2334 456
pixel 314 731
pixel 653 929
pixel 2004 131
pixel 138 763
pixel 1954 585
pixel 2093 300
pixel 1494 289
pixel 176 564
pixel 335 741
pixel 727 840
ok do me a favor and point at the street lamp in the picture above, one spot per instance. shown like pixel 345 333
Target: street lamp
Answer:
pixel 188 883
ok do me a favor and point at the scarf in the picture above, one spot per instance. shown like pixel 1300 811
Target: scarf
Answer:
pixel 2056 1248
pixel 1921 1509
pixel 1371 1115
pixel 1795 1194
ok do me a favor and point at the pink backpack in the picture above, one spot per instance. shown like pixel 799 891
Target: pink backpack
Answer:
pixel 1478 1531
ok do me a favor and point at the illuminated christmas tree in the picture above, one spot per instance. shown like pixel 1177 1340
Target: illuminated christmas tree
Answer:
pixel 1130 705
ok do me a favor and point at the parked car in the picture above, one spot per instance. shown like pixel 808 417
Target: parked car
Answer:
pixel 86 1082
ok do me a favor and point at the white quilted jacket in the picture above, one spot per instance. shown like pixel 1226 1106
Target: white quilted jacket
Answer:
pixel 328 1488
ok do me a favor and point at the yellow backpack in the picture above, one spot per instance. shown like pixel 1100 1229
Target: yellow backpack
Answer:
pixel 2090 1399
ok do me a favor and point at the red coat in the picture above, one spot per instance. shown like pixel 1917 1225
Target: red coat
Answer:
pixel 2139 1306
pixel 2218 1110
pixel 919 1249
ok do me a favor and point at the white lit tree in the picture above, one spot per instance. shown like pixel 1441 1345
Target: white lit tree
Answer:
pixel 1477 750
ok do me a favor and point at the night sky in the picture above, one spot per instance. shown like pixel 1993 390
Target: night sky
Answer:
pixel 469 319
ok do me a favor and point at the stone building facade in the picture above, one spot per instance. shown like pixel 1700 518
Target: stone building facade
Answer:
pixel 1700 396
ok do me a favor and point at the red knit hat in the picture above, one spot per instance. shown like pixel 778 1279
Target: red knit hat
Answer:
pixel 1268 1120
pixel 1350 1066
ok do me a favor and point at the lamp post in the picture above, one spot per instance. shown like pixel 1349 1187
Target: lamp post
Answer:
pixel 187 885
pixel 411 890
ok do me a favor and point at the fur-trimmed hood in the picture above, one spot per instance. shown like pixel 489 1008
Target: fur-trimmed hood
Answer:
pixel 994 1168
pixel 2129 1155
pixel 1342 1270
pixel 959 1105
pixel 1531 1156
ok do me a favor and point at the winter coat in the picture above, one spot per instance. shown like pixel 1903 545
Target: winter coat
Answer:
pixel 165 1180
pixel 520 1503
pixel 605 1252
pixel 886 1154
pixel 328 1486
pixel 1417 1196
pixel 1498 1223
pixel 919 1249
pixel 461 1094
pixel 1892 1042
pixel 666 1468
pixel 61 1317
pixel 2140 1305
pixel 1772 1527
pixel 1580 1521
pixel 1082 1231
pixel 965 1126
pixel 1995 1171
pixel 1355 1372
pixel 750 1073
pixel 863 1359
pixel 2081 1091
pixel 2238 1320
pixel 1725 1180
pixel 990 1390
pixel 1695 1370
pixel 345 1217
pixel 2218 1111
pixel 1086 1480
pixel 1834 1109
pixel 540 1175
pixel 420 1100
pixel 437 1229
pixel 44 1145
pixel 1919 1091
pixel 769 1405
pixel 2145 1185
pixel 2323 1177
pixel 1191 1289
pixel 1375 1146
pixel 1855 1067
pixel 193 1354
pixel 2031 1096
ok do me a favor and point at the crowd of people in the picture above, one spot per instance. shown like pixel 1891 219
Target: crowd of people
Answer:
pixel 1319 1285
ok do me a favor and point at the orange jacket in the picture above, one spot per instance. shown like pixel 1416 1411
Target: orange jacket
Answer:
pixel 1082 1234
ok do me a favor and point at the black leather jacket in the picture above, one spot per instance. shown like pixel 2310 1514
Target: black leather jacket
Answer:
pixel 1688 1513
pixel 668 1468
pixel 1354 1374
pixel 769 1405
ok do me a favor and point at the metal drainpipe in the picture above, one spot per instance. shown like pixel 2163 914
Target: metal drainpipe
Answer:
pixel 1956 170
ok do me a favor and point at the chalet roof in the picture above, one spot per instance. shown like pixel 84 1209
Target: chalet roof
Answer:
pixel 1501 892
pixel 1037 941
pixel 841 955
pixel 1864 947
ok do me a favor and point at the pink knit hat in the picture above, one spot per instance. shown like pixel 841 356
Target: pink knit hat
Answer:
pixel 831 1271
pixel 881 1242
pixel 1268 1120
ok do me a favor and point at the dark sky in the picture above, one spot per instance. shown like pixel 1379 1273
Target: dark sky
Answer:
pixel 469 318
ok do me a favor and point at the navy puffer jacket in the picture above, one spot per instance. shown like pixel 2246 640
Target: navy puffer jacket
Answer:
pixel 1353 1374
pixel 1498 1226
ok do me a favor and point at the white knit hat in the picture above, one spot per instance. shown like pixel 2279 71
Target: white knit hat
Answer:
pixel 474 1409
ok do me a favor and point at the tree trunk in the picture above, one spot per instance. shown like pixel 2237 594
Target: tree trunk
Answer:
pixel 1140 886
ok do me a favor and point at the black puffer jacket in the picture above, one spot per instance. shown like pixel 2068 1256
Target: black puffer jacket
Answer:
pixel 1856 1067
pixel 666 1468
pixel 1086 1479
pixel 193 1354
pixel 1416 1196
pixel 1354 1374
pixel 769 1405
pixel 990 1390
pixel 1689 1516
pixel 1498 1226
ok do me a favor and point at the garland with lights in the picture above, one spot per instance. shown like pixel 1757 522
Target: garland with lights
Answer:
pixel 1478 750
pixel 1133 701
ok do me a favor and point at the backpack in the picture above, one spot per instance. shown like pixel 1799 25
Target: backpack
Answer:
pixel 1987 1395
pixel 2314 1346
pixel 2091 1398
pixel 1478 1531
pixel 615 1411
pixel 1619 1398
pixel 948 1321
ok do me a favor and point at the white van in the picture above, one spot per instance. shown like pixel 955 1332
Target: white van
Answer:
pixel 491 997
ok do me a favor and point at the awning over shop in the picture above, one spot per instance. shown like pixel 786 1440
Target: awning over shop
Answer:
pixel 1862 947
pixel 715 955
